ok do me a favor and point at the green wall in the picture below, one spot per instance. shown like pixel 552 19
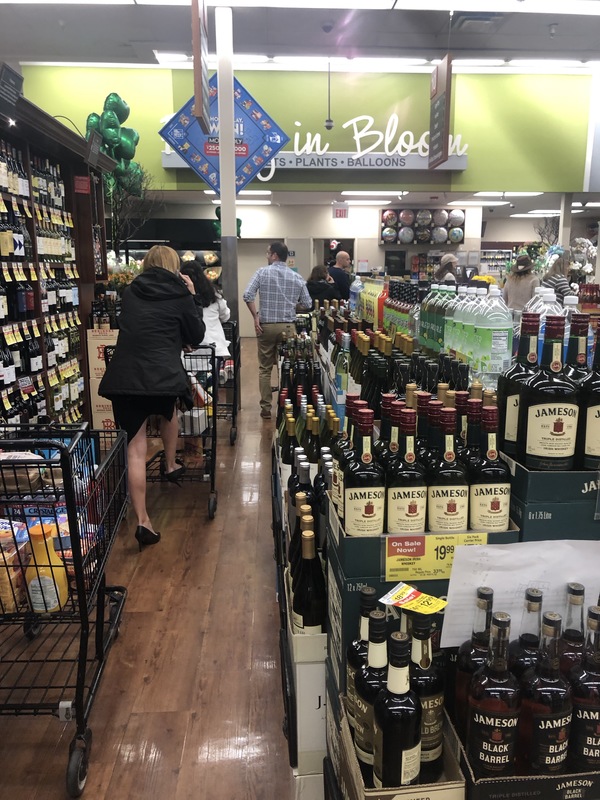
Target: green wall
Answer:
pixel 520 130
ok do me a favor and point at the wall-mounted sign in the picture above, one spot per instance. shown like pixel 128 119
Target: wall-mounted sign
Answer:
pixel 257 138
pixel 11 88
pixel 439 113
pixel 339 210
pixel 200 54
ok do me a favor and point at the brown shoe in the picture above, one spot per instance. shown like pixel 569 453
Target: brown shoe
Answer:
pixel 265 414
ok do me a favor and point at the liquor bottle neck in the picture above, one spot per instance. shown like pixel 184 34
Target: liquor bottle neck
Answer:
pixel 531 624
pixel 592 651
pixel 377 654
pixel 481 623
pixel 549 663
pixel 489 446
pixel 527 353
pixel 574 620
pixel 552 355
pixel 363 629
pixel 398 680
pixel 577 351
pixel 421 652
pixel 497 660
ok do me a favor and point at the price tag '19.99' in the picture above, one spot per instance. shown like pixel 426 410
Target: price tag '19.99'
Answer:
pixel 425 556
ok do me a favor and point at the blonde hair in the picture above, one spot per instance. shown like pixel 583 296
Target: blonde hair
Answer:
pixel 163 257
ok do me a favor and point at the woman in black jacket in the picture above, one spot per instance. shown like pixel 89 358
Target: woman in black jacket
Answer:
pixel 145 375
pixel 321 286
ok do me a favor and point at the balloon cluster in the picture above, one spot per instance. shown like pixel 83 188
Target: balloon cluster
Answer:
pixel 119 143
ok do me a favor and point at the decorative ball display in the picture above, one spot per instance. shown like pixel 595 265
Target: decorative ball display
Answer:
pixel 422 225
pixel 389 217
pixel 388 234
pixel 456 235
pixel 440 216
pixel 406 216
pixel 456 218
pixel 423 218
pixel 423 235
pixel 439 235
pixel 406 235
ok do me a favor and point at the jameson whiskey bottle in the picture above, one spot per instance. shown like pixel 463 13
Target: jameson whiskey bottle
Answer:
pixel 489 495
pixel 584 743
pixel 546 708
pixel 397 722
pixel 573 638
pixel 576 366
pixel 427 681
pixel 494 705
pixel 368 682
pixel 364 484
pixel 448 492
pixel 509 383
pixel 472 655
pixel 406 496
pixel 524 652
pixel 588 432
pixel 356 652
pixel 548 409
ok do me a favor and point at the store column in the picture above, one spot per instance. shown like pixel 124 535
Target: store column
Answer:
pixel 564 229
pixel 224 37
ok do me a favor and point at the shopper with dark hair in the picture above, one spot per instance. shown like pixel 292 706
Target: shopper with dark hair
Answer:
pixel 282 293
pixel 145 376
pixel 215 310
pixel 321 285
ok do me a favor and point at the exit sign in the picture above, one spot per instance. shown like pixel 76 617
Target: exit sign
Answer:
pixel 340 211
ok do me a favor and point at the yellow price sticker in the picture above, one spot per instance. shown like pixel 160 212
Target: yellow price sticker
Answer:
pixel 427 556
pixel 18 335
pixel 26 210
pixel 75 271
pixel 9 335
pixel 40 383
pixel 33 273
pixel 38 214
pixel 36 330
pixel 5 401
pixel 16 207
pixel 405 596
pixel 53 378
pixel 6 273
pixel 3 209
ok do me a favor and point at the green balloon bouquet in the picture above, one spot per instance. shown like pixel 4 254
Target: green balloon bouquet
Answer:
pixel 118 142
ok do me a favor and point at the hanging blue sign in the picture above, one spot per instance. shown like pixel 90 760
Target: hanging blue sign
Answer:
pixel 257 138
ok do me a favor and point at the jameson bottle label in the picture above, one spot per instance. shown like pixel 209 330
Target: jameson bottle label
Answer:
pixel 592 437
pixel 432 727
pixel 363 730
pixel 584 742
pixel 350 693
pixel 511 424
pixel 533 348
pixel 364 511
pixel 410 761
pixel 448 508
pixel 550 741
pixel 394 440
pixel 551 430
pixel 406 508
pixel 490 506
pixel 492 741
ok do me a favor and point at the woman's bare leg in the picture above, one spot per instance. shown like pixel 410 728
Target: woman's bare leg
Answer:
pixel 169 433
pixel 136 468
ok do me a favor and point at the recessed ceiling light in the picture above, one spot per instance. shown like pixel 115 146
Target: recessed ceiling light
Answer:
pixel 507 194
pixel 545 211
pixel 371 193
pixel 252 192
pixel 367 202
pixel 246 202
pixel 531 216
pixel 576 204
pixel 478 203
pixel 592 205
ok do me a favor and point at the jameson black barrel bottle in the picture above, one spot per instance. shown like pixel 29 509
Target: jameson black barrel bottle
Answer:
pixel 494 705
pixel 548 409
pixel 588 432
pixel 489 494
pixel 406 484
pixel 546 708
pixel 584 742
pixel 524 652
pixel 356 652
pixel 572 641
pixel 510 381
pixel 397 722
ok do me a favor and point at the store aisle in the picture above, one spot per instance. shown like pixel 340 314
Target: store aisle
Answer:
pixel 190 704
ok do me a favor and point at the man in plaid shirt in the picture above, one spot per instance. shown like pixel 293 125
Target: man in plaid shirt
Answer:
pixel 282 293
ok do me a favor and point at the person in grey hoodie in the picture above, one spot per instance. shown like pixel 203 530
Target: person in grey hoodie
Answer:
pixel 145 376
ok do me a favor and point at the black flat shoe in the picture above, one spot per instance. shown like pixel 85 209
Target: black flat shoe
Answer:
pixel 145 536
pixel 176 475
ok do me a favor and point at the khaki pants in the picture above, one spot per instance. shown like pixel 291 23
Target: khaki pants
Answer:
pixel 267 342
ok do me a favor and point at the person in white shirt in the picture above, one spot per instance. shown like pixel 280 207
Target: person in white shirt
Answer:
pixel 214 308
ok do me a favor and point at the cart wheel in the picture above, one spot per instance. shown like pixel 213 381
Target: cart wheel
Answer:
pixel 77 771
pixel 32 629
pixel 232 436
pixel 212 506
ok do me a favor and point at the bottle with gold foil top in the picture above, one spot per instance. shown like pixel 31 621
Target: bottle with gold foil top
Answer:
pixel 364 483
pixel 46 575
pixel 548 409
pixel 489 478
pixel 406 485
pixel 448 492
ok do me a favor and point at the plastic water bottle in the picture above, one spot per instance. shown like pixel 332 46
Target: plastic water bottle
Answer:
pixel 493 339
pixel 470 335
pixel 534 304
pixel 463 312
pixel 550 307
pixel 356 287
pixel 570 305
pixel 449 312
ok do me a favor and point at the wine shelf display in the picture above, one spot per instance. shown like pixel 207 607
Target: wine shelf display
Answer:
pixel 50 241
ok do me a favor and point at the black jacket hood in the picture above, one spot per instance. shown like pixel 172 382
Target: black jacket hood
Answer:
pixel 156 284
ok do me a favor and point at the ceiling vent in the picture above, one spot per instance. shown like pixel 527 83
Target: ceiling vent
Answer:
pixel 476 23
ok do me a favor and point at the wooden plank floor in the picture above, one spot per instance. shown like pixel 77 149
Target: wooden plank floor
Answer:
pixel 190 703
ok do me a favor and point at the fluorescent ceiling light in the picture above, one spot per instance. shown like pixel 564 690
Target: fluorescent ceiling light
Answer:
pixel 360 193
pixel 545 211
pixel 253 192
pixel 507 194
pixel 367 202
pixel 544 64
pixel 531 216
pixel 577 7
pixel 577 204
pixel 171 58
pixel 478 203
pixel 478 62
pixel 592 205
pixel 366 5
pixel 246 202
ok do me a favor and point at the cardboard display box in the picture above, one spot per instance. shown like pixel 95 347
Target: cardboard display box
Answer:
pixel 96 342
pixel 552 487
pixel 353 788
pixel 101 408
pixel 333 718
pixel 544 520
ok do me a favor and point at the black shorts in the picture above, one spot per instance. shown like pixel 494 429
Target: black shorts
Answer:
pixel 132 411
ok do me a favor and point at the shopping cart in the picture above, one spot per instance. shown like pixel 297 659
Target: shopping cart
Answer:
pixel 63 493
pixel 197 426
pixel 229 376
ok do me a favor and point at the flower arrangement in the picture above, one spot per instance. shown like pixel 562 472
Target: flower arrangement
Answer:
pixel 121 272
pixel 489 279
pixel 583 256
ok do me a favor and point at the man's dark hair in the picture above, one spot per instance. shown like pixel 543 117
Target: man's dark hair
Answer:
pixel 280 250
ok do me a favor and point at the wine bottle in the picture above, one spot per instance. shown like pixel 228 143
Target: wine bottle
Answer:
pixel 427 681
pixel 397 722
pixel 548 408
pixel 304 485
pixel 368 682
pixel 356 652
pixel 524 652
pixel 584 750
pixel 306 522
pixel 489 493
pixel 364 484
pixel 309 607
pixel 472 655
pixel 494 706
pixel 510 381
pixel 546 708
pixel 290 444
pixel 295 542
pixel 471 452
pixel 448 489
pixel 573 637
pixel 406 484
pixel 588 429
